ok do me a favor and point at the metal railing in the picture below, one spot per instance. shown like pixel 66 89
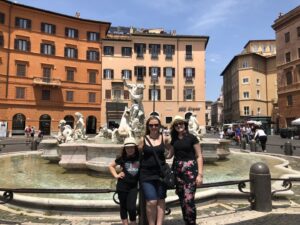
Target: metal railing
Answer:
pixel 255 189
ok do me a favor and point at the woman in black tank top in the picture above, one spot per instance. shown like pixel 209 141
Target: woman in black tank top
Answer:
pixel 153 188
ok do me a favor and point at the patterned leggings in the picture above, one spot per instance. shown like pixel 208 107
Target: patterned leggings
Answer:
pixel 186 173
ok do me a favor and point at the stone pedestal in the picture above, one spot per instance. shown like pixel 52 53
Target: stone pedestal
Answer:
pixel 50 150
pixel 209 151
pixel 223 148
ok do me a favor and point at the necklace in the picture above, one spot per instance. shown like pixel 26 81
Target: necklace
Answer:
pixel 154 138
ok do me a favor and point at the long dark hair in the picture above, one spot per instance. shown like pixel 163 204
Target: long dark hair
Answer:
pixel 123 154
pixel 148 121
pixel 174 133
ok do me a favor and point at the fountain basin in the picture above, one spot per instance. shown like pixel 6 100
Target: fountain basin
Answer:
pixel 29 170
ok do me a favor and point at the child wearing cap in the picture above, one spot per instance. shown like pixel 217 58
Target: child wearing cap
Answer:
pixel 127 179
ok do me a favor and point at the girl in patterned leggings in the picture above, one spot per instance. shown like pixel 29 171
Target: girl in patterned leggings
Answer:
pixel 187 166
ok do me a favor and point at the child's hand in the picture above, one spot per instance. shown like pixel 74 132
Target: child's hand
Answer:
pixel 121 175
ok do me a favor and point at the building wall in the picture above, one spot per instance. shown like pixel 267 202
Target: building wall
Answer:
pixel 288 89
pixel 31 106
pixel 166 109
pixel 249 80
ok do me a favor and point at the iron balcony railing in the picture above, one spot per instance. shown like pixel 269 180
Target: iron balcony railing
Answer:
pixel 46 81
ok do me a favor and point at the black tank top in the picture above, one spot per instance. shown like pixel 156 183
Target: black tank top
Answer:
pixel 149 169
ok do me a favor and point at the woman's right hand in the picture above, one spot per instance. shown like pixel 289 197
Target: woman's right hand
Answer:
pixel 121 175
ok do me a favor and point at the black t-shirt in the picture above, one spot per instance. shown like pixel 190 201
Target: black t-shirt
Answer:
pixel 131 168
pixel 184 148
pixel 150 170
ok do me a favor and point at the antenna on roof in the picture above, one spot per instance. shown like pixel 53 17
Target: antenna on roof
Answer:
pixel 77 14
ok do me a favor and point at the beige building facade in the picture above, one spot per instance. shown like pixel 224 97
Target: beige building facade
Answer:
pixel 171 67
pixel 287 28
pixel 250 82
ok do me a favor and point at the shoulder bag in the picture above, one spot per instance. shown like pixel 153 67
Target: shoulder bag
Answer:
pixel 166 174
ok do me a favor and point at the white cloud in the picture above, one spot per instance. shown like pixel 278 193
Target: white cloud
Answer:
pixel 213 57
pixel 214 15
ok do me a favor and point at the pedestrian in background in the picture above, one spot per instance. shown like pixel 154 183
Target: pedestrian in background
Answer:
pixel 187 167
pixel 27 134
pixel 127 180
pixel 262 137
pixel 32 133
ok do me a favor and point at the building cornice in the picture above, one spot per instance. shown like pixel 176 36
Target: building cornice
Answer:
pixel 286 18
pixel 57 14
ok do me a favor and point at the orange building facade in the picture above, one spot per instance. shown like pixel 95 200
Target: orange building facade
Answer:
pixel 53 65
pixel 171 67
pixel 287 28
pixel 50 68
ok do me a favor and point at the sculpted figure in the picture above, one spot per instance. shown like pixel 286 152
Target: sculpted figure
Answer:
pixel 105 133
pixel 65 132
pixel 79 130
pixel 136 95
pixel 194 127
pixel 124 129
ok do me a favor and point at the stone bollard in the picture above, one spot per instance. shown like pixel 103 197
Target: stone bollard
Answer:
pixel 260 187
pixel 243 143
pixel 253 147
pixel 288 148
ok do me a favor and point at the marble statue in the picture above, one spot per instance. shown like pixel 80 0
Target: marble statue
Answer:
pixel 124 129
pixel 105 133
pixel 194 127
pixel 79 129
pixel 136 94
pixel 65 132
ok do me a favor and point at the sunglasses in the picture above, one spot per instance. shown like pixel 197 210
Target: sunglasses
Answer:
pixel 178 124
pixel 154 125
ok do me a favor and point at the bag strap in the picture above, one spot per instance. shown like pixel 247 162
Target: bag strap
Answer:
pixel 155 155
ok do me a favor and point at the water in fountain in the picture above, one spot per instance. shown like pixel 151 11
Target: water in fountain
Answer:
pixel 31 171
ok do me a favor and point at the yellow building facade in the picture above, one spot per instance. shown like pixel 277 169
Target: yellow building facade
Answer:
pixel 250 82
pixel 171 67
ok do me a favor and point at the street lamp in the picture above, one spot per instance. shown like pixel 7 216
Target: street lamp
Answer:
pixel 154 79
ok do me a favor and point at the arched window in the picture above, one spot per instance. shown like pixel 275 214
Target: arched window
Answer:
pixel 91 125
pixel 18 123
pixel 69 120
pixel 45 124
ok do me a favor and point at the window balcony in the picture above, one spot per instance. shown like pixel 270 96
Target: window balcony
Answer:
pixel 289 88
pixel 169 80
pixel 189 80
pixel 188 57
pixel 46 81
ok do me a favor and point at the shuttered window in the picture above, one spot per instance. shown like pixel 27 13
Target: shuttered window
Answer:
pixel 107 94
pixel 169 94
pixel 21 69
pixel 71 32
pixel 23 23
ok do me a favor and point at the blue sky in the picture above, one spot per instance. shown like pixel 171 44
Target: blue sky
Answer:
pixel 230 24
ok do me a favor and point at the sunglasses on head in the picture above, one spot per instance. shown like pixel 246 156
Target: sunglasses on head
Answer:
pixel 154 125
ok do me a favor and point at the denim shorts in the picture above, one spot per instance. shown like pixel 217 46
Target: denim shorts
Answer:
pixel 154 190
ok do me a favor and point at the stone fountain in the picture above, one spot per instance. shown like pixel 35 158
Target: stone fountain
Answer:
pixel 73 150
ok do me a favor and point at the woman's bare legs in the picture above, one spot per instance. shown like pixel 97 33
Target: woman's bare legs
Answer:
pixel 151 210
pixel 161 206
